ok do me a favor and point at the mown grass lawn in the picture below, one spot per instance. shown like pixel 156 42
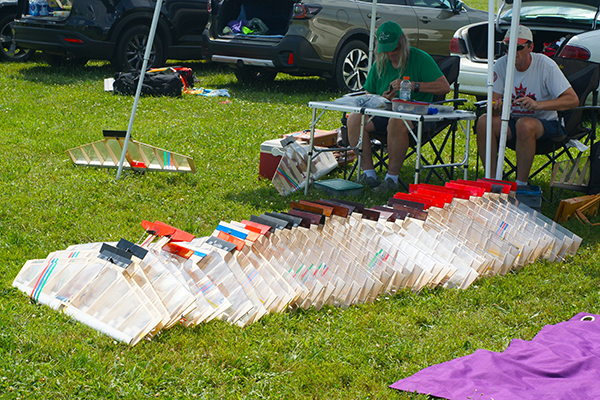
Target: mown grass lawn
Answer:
pixel 47 204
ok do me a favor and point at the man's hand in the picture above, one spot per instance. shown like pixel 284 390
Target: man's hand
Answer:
pixel 527 103
pixel 566 101
pixel 392 91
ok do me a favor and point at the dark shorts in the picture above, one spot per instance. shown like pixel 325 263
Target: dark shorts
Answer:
pixel 381 124
pixel 551 129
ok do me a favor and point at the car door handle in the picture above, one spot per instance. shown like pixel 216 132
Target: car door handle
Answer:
pixel 377 16
pixel 425 20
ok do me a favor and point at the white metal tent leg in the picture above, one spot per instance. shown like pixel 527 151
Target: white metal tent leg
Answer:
pixel 141 82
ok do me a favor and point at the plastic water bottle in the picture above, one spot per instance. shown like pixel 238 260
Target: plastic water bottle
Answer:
pixel 405 89
pixel 43 7
pixel 33 8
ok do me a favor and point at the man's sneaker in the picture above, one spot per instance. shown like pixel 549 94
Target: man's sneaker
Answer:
pixel 369 181
pixel 386 186
pixel 528 189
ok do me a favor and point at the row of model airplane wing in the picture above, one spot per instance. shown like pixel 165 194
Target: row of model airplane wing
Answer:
pixel 325 253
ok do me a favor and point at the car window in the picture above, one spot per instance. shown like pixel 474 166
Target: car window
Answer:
pixel 396 2
pixel 441 4
pixel 393 10
pixel 557 14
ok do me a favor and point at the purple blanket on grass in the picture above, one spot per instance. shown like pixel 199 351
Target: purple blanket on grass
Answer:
pixel 562 362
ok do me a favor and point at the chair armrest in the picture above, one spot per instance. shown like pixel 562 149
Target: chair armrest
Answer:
pixel 453 101
pixel 562 113
pixel 589 108
pixel 480 104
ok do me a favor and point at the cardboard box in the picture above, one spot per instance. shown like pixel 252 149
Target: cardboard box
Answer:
pixel 322 138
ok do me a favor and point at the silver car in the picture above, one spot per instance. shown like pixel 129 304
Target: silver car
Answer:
pixel 561 28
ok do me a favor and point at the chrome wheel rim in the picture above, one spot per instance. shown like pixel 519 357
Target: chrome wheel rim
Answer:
pixel 355 69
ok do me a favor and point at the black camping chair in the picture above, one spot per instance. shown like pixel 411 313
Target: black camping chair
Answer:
pixel 584 77
pixel 449 65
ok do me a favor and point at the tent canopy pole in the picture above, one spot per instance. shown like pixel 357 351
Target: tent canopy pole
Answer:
pixel 138 91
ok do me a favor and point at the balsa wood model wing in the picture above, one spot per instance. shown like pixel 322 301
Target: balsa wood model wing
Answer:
pixel 140 157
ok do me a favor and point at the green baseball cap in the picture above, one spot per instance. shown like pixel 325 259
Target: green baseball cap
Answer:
pixel 387 36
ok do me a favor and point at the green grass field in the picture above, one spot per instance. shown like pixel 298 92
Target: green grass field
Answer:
pixel 47 204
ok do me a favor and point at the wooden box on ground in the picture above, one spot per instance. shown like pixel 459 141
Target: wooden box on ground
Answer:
pixel 323 138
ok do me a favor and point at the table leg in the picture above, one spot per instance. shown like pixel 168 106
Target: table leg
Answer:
pixel 359 146
pixel 467 144
pixel 310 150
pixel 418 162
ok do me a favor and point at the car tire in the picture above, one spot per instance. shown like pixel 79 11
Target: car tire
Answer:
pixel 254 75
pixel 10 51
pixel 352 67
pixel 131 49
pixel 55 60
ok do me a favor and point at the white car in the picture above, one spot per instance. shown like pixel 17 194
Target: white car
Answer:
pixel 567 29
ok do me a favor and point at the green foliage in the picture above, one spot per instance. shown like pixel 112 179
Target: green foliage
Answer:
pixel 47 204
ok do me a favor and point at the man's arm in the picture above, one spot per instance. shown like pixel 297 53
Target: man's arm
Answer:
pixel 438 87
pixel 567 100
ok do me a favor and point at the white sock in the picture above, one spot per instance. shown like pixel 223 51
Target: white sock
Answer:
pixel 521 183
pixel 392 177
pixel 370 173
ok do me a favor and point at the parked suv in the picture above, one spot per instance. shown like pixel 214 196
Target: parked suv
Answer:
pixel 327 38
pixel 115 30
pixel 9 50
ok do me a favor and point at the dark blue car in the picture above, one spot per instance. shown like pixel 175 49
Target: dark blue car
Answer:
pixel 76 31
pixel 10 50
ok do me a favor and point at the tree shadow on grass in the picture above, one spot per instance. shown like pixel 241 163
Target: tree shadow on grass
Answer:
pixel 261 198
pixel 285 86
pixel 66 75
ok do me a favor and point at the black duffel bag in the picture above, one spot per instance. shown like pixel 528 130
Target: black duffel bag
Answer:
pixel 155 84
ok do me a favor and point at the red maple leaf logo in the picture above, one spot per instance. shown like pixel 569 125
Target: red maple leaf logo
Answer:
pixel 519 92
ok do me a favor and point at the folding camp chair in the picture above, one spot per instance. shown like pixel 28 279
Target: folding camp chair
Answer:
pixel 449 65
pixel 584 77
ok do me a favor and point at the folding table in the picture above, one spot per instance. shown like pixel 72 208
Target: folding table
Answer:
pixel 464 119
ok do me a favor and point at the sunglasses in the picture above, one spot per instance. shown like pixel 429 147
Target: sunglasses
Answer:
pixel 519 46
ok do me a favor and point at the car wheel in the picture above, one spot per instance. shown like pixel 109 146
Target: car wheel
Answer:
pixel 352 67
pixel 132 48
pixel 54 60
pixel 10 50
pixel 254 75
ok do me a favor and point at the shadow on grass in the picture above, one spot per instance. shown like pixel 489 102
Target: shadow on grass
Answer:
pixel 259 197
pixel 280 89
pixel 284 84
pixel 66 75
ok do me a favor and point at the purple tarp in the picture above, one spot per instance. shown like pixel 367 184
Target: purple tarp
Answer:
pixel 561 362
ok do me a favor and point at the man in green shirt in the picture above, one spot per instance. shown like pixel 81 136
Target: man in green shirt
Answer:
pixel 395 60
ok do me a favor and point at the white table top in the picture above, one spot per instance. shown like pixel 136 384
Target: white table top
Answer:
pixel 380 112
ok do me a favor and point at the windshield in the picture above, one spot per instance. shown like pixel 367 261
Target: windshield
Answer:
pixel 555 12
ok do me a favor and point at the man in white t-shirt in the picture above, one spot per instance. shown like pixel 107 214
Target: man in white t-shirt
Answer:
pixel 539 90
